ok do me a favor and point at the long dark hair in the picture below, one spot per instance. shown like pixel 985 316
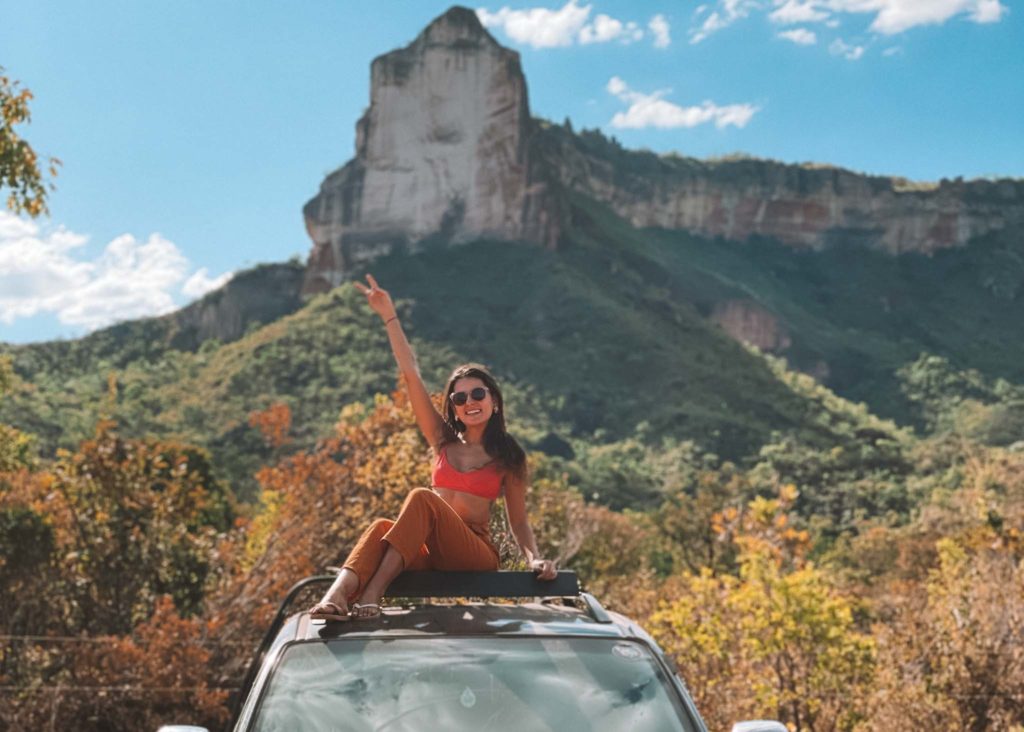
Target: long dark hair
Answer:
pixel 498 443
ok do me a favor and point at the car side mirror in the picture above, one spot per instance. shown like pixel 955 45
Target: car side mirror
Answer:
pixel 181 728
pixel 760 725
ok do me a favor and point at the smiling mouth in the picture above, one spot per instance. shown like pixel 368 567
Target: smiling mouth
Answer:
pixel 473 411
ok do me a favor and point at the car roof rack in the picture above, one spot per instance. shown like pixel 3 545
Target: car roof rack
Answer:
pixel 483 584
pixel 495 584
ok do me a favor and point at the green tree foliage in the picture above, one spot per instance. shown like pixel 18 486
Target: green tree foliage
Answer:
pixel 964 401
pixel 853 467
pixel 17 449
pixel 906 530
pixel 19 164
pixel 689 521
pixel 138 520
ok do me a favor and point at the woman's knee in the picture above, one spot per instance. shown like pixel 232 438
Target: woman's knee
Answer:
pixel 420 496
pixel 379 527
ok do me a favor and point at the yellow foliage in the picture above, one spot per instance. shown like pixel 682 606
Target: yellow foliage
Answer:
pixel 778 640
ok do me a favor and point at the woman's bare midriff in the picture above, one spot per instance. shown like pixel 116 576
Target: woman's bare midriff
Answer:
pixel 474 510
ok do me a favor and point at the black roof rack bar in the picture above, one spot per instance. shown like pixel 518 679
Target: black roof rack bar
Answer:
pixel 483 584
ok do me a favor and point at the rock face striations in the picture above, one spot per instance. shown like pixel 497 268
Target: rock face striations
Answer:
pixel 447 152
pixel 802 206
pixel 443 153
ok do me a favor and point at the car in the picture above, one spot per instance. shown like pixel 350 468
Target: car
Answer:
pixel 481 651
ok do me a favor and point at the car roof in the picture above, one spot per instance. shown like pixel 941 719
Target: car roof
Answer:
pixel 556 609
pixel 466 618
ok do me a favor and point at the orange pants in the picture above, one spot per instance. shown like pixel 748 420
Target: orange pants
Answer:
pixel 429 535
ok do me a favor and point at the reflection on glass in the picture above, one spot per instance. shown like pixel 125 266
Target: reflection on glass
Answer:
pixel 478 684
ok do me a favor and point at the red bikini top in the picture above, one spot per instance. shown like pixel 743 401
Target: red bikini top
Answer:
pixel 484 482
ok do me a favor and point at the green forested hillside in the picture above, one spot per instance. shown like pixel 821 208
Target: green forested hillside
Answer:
pixel 867 314
pixel 588 348
pixel 603 341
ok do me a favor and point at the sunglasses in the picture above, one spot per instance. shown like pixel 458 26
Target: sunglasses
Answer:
pixel 461 397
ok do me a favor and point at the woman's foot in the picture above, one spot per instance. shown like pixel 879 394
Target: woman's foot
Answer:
pixel 365 610
pixel 334 605
pixel 327 610
pixel 368 605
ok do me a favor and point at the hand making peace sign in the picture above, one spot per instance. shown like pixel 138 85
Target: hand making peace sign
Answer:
pixel 378 298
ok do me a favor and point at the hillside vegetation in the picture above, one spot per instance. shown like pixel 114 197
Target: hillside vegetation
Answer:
pixel 799 556
pixel 604 340
pixel 844 588
pixel 590 350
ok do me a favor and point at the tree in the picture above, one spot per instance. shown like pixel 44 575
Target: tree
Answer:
pixel 687 519
pixel 951 647
pixel 16 448
pixel 134 520
pixel 19 164
pixel 777 639
pixel 153 676
pixel 315 505
pixel 964 402
pixel 104 542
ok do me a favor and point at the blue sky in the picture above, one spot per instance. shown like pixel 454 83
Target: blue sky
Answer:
pixel 191 133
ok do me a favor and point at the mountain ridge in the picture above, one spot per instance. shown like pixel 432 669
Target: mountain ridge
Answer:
pixel 447 152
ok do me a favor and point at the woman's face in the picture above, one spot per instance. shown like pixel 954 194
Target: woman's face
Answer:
pixel 478 405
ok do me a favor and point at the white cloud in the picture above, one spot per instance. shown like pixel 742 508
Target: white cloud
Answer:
pixel 791 12
pixel 546 28
pixel 618 87
pixel 799 36
pixel 201 283
pixel 45 272
pixel 988 11
pixel 727 13
pixel 893 51
pixel 539 27
pixel 650 110
pixel 839 47
pixel 889 16
pixel 660 30
pixel 605 28
pixel 896 16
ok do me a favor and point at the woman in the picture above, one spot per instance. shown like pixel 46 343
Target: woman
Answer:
pixel 445 527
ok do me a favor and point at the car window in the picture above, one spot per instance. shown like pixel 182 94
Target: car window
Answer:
pixel 478 684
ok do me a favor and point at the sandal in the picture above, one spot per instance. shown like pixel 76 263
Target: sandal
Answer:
pixel 329 611
pixel 365 611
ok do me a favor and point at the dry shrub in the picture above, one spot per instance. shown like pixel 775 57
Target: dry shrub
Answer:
pixel 157 675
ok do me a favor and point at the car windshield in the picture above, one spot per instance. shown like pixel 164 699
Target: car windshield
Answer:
pixel 478 684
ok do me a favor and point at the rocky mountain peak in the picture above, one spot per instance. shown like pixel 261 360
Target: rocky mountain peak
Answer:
pixel 447 153
pixel 443 154
pixel 456 24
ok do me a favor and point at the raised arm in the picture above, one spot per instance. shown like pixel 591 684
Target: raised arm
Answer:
pixel 427 417
pixel 519 522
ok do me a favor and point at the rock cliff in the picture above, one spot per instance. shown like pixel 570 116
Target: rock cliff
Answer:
pixel 443 153
pixel 802 206
pixel 447 152
pixel 748 322
pixel 253 297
